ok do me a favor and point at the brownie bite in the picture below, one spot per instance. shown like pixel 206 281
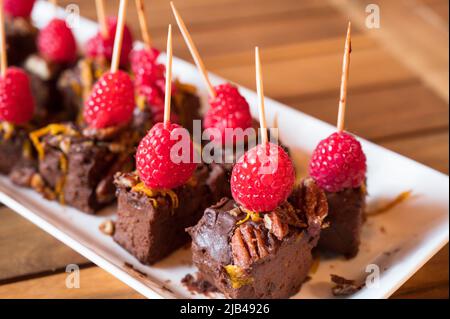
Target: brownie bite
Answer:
pixel 151 223
pixel 21 38
pixel 345 217
pixel 259 255
pixel 44 77
pixel 77 166
pixel 15 148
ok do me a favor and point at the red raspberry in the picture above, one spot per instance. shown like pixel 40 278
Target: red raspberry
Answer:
pixel 111 101
pixel 18 8
pixel 155 102
pixel 145 69
pixel 98 46
pixel 153 158
pixel 57 43
pixel 338 162
pixel 262 178
pixel 229 109
pixel 141 58
pixel 16 101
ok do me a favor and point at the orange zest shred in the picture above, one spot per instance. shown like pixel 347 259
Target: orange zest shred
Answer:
pixel 396 201
pixel 153 193
pixel 140 102
pixel 52 129
pixel 254 216
pixel 237 276
pixel 8 130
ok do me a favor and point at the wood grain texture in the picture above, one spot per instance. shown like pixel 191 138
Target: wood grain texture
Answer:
pixel 413 33
pixel 95 283
pixel 398 97
pixel 27 251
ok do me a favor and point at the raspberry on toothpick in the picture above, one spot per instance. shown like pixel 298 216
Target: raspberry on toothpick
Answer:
pixel 264 176
pixel 102 44
pixel 154 162
pixel 112 102
pixel 16 100
pixel 56 42
pixel 18 8
pixel 229 109
pixel 339 162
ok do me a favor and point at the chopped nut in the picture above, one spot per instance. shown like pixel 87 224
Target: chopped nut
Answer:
pixel 312 201
pixel 248 245
pixel 116 147
pixel 103 133
pixel 278 221
pixel 126 180
pixel 38 184
pixel 107 227
pixel 64 145
pixel 235 212
pixel 274 224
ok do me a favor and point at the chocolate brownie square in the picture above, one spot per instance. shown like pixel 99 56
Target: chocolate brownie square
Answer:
pixel 15 148
pixel 345 218
pixel 259 255
pixel 77 166
pixel 150 223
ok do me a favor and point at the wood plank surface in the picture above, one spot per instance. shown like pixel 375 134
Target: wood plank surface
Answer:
pixel 398 97
pixel 26 251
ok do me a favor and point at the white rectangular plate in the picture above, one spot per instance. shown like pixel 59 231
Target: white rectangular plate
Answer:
pixel 398 242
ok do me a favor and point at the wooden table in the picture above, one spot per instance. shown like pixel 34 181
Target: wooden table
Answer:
pixel 398 99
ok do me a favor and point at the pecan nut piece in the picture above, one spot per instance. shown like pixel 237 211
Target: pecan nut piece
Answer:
pixel 126 180
pixel 278 221
pixel 312 201
pixel 248 245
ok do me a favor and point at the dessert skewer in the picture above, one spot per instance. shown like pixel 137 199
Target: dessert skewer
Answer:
pixel 229 109
pixel 100 48
pixel 241 244
pixel 16 111
pixel 172 194
pixel 77 163
pixel 150 84
pixel 338 165
pixel 75 84
pixel 57 51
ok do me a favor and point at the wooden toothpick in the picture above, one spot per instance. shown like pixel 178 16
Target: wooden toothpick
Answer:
pixel 344 80
pixel 101 17
pixel 143 23
pixel 119 36
pixel 260 90
pixel 194 52
pixel 168 96
pixel 4 57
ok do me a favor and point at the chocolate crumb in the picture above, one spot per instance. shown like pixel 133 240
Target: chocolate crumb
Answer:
pixel 195 284
pixel 130 266
pixel 344 287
